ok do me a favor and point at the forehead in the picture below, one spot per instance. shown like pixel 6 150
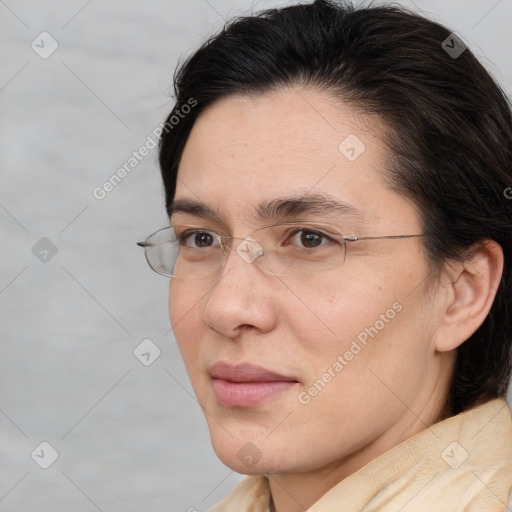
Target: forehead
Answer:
pixel 251 149
pixel 281 126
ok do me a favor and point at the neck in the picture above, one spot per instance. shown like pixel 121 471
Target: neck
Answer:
pixel 297 492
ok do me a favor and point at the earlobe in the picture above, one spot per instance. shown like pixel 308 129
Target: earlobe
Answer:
pixel 471 287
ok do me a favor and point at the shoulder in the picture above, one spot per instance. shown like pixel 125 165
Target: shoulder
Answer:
pixel 250 495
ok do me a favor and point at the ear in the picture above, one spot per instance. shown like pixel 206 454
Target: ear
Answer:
pixel 469 290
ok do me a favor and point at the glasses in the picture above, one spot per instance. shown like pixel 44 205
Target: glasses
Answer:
pixel 286 249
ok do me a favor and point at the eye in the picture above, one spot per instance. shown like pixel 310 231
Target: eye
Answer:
pixel 198 239
pixel 309 238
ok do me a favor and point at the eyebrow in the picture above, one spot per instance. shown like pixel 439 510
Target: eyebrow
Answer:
pixel 306 204
pixel 276 208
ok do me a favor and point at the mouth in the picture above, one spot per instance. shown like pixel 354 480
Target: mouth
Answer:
pixel 246 385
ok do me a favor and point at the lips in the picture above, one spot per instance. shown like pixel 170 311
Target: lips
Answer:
pixel 246 373
pixel 246 385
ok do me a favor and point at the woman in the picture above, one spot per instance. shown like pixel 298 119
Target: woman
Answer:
pixel 340 260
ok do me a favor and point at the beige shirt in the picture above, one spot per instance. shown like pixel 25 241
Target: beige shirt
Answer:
pixel 461 464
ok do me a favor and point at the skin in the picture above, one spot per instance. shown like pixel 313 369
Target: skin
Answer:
pixel 392 389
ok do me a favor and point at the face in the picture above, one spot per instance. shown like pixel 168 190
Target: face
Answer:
pixel 309 370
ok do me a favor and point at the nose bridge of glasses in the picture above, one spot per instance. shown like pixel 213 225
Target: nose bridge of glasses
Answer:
pixel 249 249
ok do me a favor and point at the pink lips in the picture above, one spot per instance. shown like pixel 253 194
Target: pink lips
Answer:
pixel 245 385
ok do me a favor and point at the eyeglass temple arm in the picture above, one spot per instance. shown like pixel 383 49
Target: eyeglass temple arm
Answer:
pixel 388 237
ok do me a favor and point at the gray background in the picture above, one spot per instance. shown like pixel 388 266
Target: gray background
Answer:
pixel 129 437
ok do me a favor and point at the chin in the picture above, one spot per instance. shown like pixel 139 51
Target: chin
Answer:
pixel 253 457
pixel 249 463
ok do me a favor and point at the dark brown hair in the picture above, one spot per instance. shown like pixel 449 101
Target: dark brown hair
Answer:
pixel 449 132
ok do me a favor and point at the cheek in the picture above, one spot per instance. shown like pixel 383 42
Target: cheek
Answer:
pixel 186 318
pixel 357 377
pixel 369 322
pixel 331 314
pixel 184 301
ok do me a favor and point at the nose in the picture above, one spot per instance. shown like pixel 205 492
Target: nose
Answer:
pixel 244 295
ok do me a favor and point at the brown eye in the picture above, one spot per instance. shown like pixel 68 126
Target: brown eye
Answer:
pixel 203 239
pixel 198 239
pixel 310 239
